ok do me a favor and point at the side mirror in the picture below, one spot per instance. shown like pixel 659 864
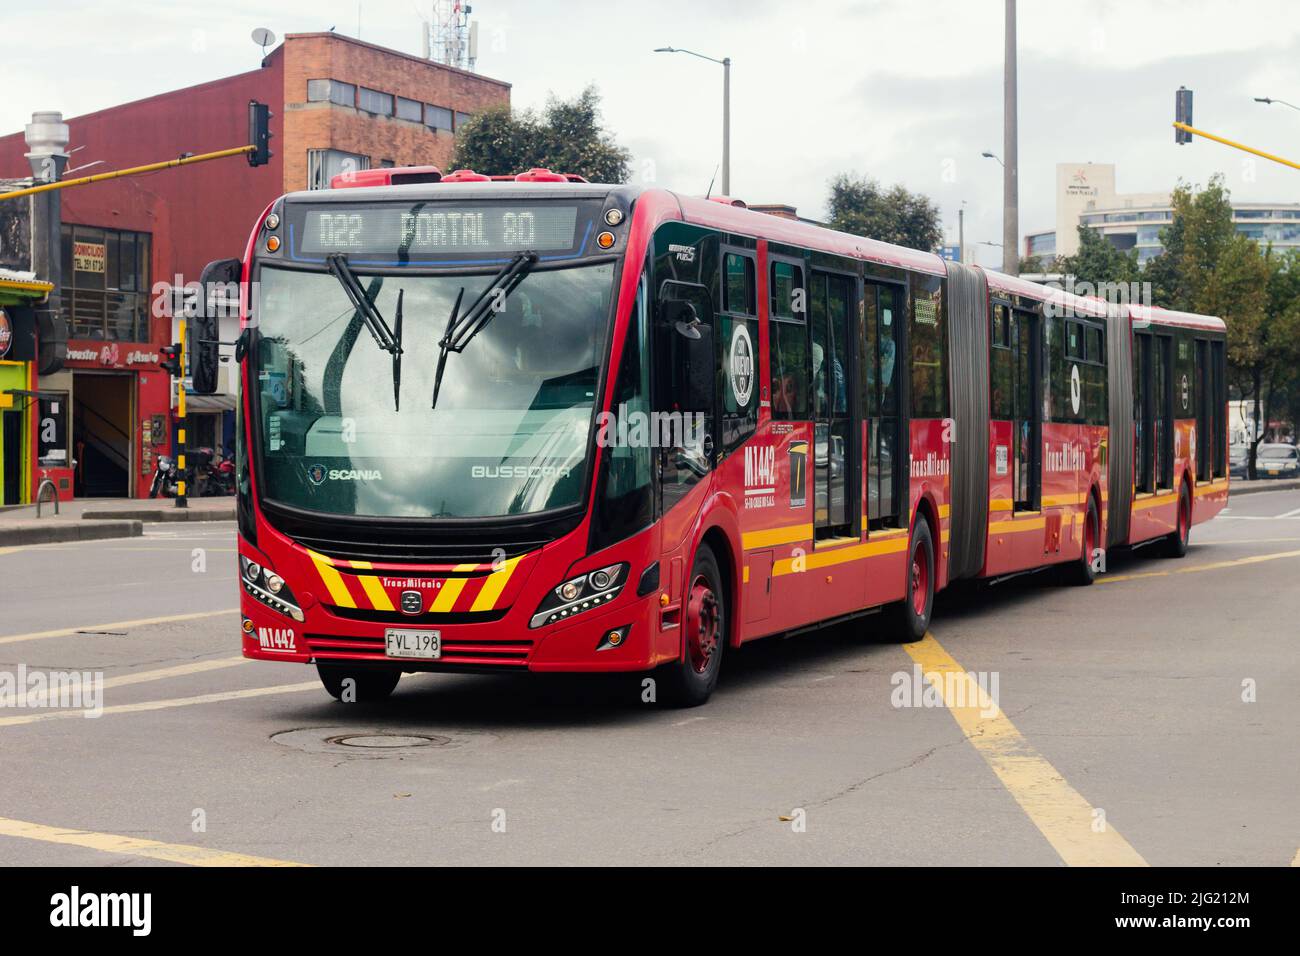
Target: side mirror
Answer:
pixel 681 315
pixel 218 296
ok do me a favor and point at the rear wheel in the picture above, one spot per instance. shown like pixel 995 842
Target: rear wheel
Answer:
pixel 368 683
pixel 1084 572
pixel 910 620
pixel 689 681
pixel 1176 543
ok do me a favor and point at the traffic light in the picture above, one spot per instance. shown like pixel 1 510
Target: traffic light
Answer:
pixel 1182 114
pixel 259 133
pixel 171 360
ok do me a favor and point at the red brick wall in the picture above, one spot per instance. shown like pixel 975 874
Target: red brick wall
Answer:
pixel 324 56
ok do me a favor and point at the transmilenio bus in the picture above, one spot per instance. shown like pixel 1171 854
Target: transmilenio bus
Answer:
pixel 549 425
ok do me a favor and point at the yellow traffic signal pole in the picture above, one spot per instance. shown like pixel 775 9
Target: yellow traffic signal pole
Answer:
pixel 181 501
pixel 133 171
pixel 1227 142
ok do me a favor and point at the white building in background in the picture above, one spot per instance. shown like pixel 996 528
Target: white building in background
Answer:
pixel 1086 195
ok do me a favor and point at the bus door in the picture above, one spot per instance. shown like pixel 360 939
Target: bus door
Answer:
pixel 684 369
pixel 1163 406
pixel 831 297
pixel 1205 438
pixel 1027 423
pixel 884 314
pixel 1144 405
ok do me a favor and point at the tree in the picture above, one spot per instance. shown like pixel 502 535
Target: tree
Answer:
pixel 859 206
pixel 1098 261
pixel 566 137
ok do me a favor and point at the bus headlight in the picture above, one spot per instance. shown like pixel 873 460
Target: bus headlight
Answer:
pixel 266 586
pixel 581 594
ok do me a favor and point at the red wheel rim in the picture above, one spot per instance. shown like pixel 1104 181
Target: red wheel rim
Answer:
pixel 1089 539
pixel 1184 522
pixel 702 624
pixel 920 580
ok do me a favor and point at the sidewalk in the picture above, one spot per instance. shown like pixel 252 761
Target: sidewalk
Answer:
pixel 94 518
pixel 1240 486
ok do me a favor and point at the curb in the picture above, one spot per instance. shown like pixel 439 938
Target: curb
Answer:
pixel 1275 484
pixel 163 514
pixel 49 533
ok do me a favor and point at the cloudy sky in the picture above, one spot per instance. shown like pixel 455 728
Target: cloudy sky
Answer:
pixel 902 90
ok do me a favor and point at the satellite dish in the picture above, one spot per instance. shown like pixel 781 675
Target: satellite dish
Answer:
pixel 263 37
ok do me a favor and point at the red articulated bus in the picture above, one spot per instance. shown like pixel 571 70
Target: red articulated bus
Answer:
pixel 549 425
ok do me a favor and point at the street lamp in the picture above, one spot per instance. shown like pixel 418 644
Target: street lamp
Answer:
pixel 987 155
pixel 726 109
pixel 1266 100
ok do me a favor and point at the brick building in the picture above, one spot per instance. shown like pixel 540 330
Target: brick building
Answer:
pixel 337 104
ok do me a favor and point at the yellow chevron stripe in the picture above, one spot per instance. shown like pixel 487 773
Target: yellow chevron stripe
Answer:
pixel 374 590
pixel 333 580
pixel 493 586
pixel 447 594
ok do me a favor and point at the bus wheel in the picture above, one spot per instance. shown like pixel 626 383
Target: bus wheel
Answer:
pixel 1084 572
pixel 911 618
pixel 689 681
pixel 1176 543
pixel 368 684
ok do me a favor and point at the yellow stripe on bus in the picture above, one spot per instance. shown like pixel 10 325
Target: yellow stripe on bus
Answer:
pixel 790 534
pixel 447 594
pixel 1017 524
pixel 493 586
pixel 333 581
pixel 374 590
pixel 822 559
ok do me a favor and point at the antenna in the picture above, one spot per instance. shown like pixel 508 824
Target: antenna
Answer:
pixel 715 176
pixel 263 38
pixel 449 35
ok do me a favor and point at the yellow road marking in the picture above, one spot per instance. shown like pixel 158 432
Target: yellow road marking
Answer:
pixel 1059 811
pixel 163 704
pixel 1214 566
pixel 114 626
pixel 134 846
pixel 1295 860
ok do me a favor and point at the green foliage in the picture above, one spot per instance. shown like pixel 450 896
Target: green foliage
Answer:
pixel 566 137
pixel 1099 262
pixel 859 206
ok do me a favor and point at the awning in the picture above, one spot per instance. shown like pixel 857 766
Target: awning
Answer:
pixel 209 403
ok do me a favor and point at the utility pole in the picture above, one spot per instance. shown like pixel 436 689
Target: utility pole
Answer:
pixel 1010 154
pixel 961 232
pixel 726 126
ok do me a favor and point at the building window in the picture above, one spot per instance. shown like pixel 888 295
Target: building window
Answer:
pixel 324 164
pixel 462 119
pixel 372 101
pixel 437 117
pixel 106 284
pixel 331 91
pixel 410 109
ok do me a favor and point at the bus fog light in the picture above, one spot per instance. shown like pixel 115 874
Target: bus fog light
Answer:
pixel 613 639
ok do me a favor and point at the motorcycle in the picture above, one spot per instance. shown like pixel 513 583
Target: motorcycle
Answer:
pixel 164 478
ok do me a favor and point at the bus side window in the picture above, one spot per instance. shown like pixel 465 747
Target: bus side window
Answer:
pixel 787 335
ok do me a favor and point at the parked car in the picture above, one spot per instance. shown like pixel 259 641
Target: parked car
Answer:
pixel 1278 461
pixel 1239 461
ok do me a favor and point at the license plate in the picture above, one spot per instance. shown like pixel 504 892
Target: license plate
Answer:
pixel 409 642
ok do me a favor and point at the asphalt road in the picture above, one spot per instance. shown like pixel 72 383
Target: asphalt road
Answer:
pixel 1122 735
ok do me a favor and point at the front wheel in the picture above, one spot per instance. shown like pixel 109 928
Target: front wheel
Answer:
pixel 360 685
pixel 1176 543
pixel 689 681
pixel 910 620
pixel 1085 571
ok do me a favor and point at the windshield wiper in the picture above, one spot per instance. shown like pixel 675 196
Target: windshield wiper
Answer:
pixel 385 338
pixel 461 329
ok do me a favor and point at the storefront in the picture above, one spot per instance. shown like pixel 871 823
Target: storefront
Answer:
pixel 113 398
pixel 19 402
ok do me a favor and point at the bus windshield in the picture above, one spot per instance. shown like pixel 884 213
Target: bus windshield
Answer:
pixel 510 431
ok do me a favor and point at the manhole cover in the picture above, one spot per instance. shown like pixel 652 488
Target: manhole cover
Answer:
pixel 388 741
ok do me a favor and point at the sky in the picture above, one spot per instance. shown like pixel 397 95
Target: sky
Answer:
pixel 903 91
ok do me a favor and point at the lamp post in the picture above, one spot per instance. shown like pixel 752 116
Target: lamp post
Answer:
pixel 1267 100
pixel 993 156
pixel 725 62
pixel 1010 150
